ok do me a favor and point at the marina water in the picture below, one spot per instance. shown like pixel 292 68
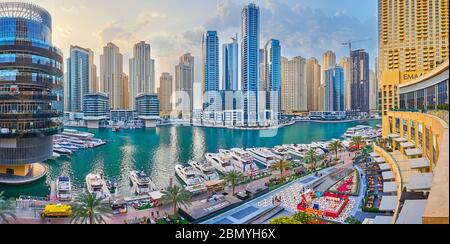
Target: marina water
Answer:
pixel 157 151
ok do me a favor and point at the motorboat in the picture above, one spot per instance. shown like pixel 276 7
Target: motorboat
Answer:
pixel 97 185
pixel 188 174
pixel 220 162
pixel 206 169
pixel 242 160
pixel 141 183
pixel 63 188
pixel 263 156
pixel 112 185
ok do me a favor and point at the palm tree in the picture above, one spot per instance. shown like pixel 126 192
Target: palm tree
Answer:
pixel 177 196
pixel 357 141
pixel 335 145
pixel 233 177
pixel 365 153
pixel 282 165
pixel 311 156
pixel 6 209
pixel 90 209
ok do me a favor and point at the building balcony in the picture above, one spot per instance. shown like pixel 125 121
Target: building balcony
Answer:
pixel 42 114
pixel 417 171
pixel 54 129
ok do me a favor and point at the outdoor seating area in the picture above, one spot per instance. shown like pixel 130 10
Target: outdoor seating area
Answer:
pixel 348 185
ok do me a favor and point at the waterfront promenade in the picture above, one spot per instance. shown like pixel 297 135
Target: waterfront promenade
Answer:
pixel 132 214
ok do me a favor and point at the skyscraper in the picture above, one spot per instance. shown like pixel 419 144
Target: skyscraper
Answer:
pixel 142 72
pixel 373 91
pixel 294 92
pixel 346 65
pixel 273 79
pixel 111 70
pixel 165 93
pixel 313 79
pixel 328 61
pixel 126 91
pixel 334 89
pixel 80 68
pixel 230 65
pixel 211 84
pixel 31 70
pixel 184 83
pixel 410 43
pixel 360 80
pixel 250 36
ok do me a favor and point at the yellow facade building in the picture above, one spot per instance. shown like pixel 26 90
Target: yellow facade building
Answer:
pixel 413 70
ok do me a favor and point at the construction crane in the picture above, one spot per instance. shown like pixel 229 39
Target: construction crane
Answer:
pixel 349 44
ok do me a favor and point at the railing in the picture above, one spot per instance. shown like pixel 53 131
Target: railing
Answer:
pixel 398 177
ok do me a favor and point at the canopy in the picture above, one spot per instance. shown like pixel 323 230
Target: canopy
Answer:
pixel 379 160
pixel 384 167
pixel 418 163
pixel 421 181
pixel 374 154
pixel 213 183
pixel 156 195
pixel 388 175
pixel 388 203
pixel 407 144
pixel 389 187
pixel 413 152
pixel 412 212
pixel 382 220
pixel 400 139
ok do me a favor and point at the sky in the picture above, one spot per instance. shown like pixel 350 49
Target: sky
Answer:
pixel 305 27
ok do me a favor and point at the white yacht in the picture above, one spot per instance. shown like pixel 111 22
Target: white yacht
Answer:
pixel 220 162
pixel 97 185
pixel 297 150
pixel 263 156
pixel 63 188
pixel 206 169
pixel 141 183
pixel 243 160
pixel 282 152
pixel 77 134
pixel 60 150
pixel 188 174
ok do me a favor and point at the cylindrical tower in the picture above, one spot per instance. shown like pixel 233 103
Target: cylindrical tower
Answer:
pixel 31 71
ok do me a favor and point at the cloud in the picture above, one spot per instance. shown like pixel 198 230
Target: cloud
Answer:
pixel 310 32
pixel 227 15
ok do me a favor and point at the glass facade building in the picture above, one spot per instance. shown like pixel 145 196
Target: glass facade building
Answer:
pixel 78 75
pixel 250 37
pixel 360 81
pixel 230 63
pixel 273 79
pixel 31 76
pixel 211 82
pixel 334 89
pixel 147 105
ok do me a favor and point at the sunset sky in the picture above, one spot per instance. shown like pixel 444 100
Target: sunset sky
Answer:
pixel 305 27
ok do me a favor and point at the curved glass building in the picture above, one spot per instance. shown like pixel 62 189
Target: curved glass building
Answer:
pixel 31 73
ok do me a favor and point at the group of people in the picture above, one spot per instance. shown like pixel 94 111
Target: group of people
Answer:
pixel 153 219
pixel 276 200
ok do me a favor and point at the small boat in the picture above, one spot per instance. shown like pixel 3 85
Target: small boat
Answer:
pixel 55 156
pixel 188 174
pixel 112 185
pixel 63 188
pixel 141 183
pixel 97 185
pixel 115 129
pixel 61 150
pixel 207 171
